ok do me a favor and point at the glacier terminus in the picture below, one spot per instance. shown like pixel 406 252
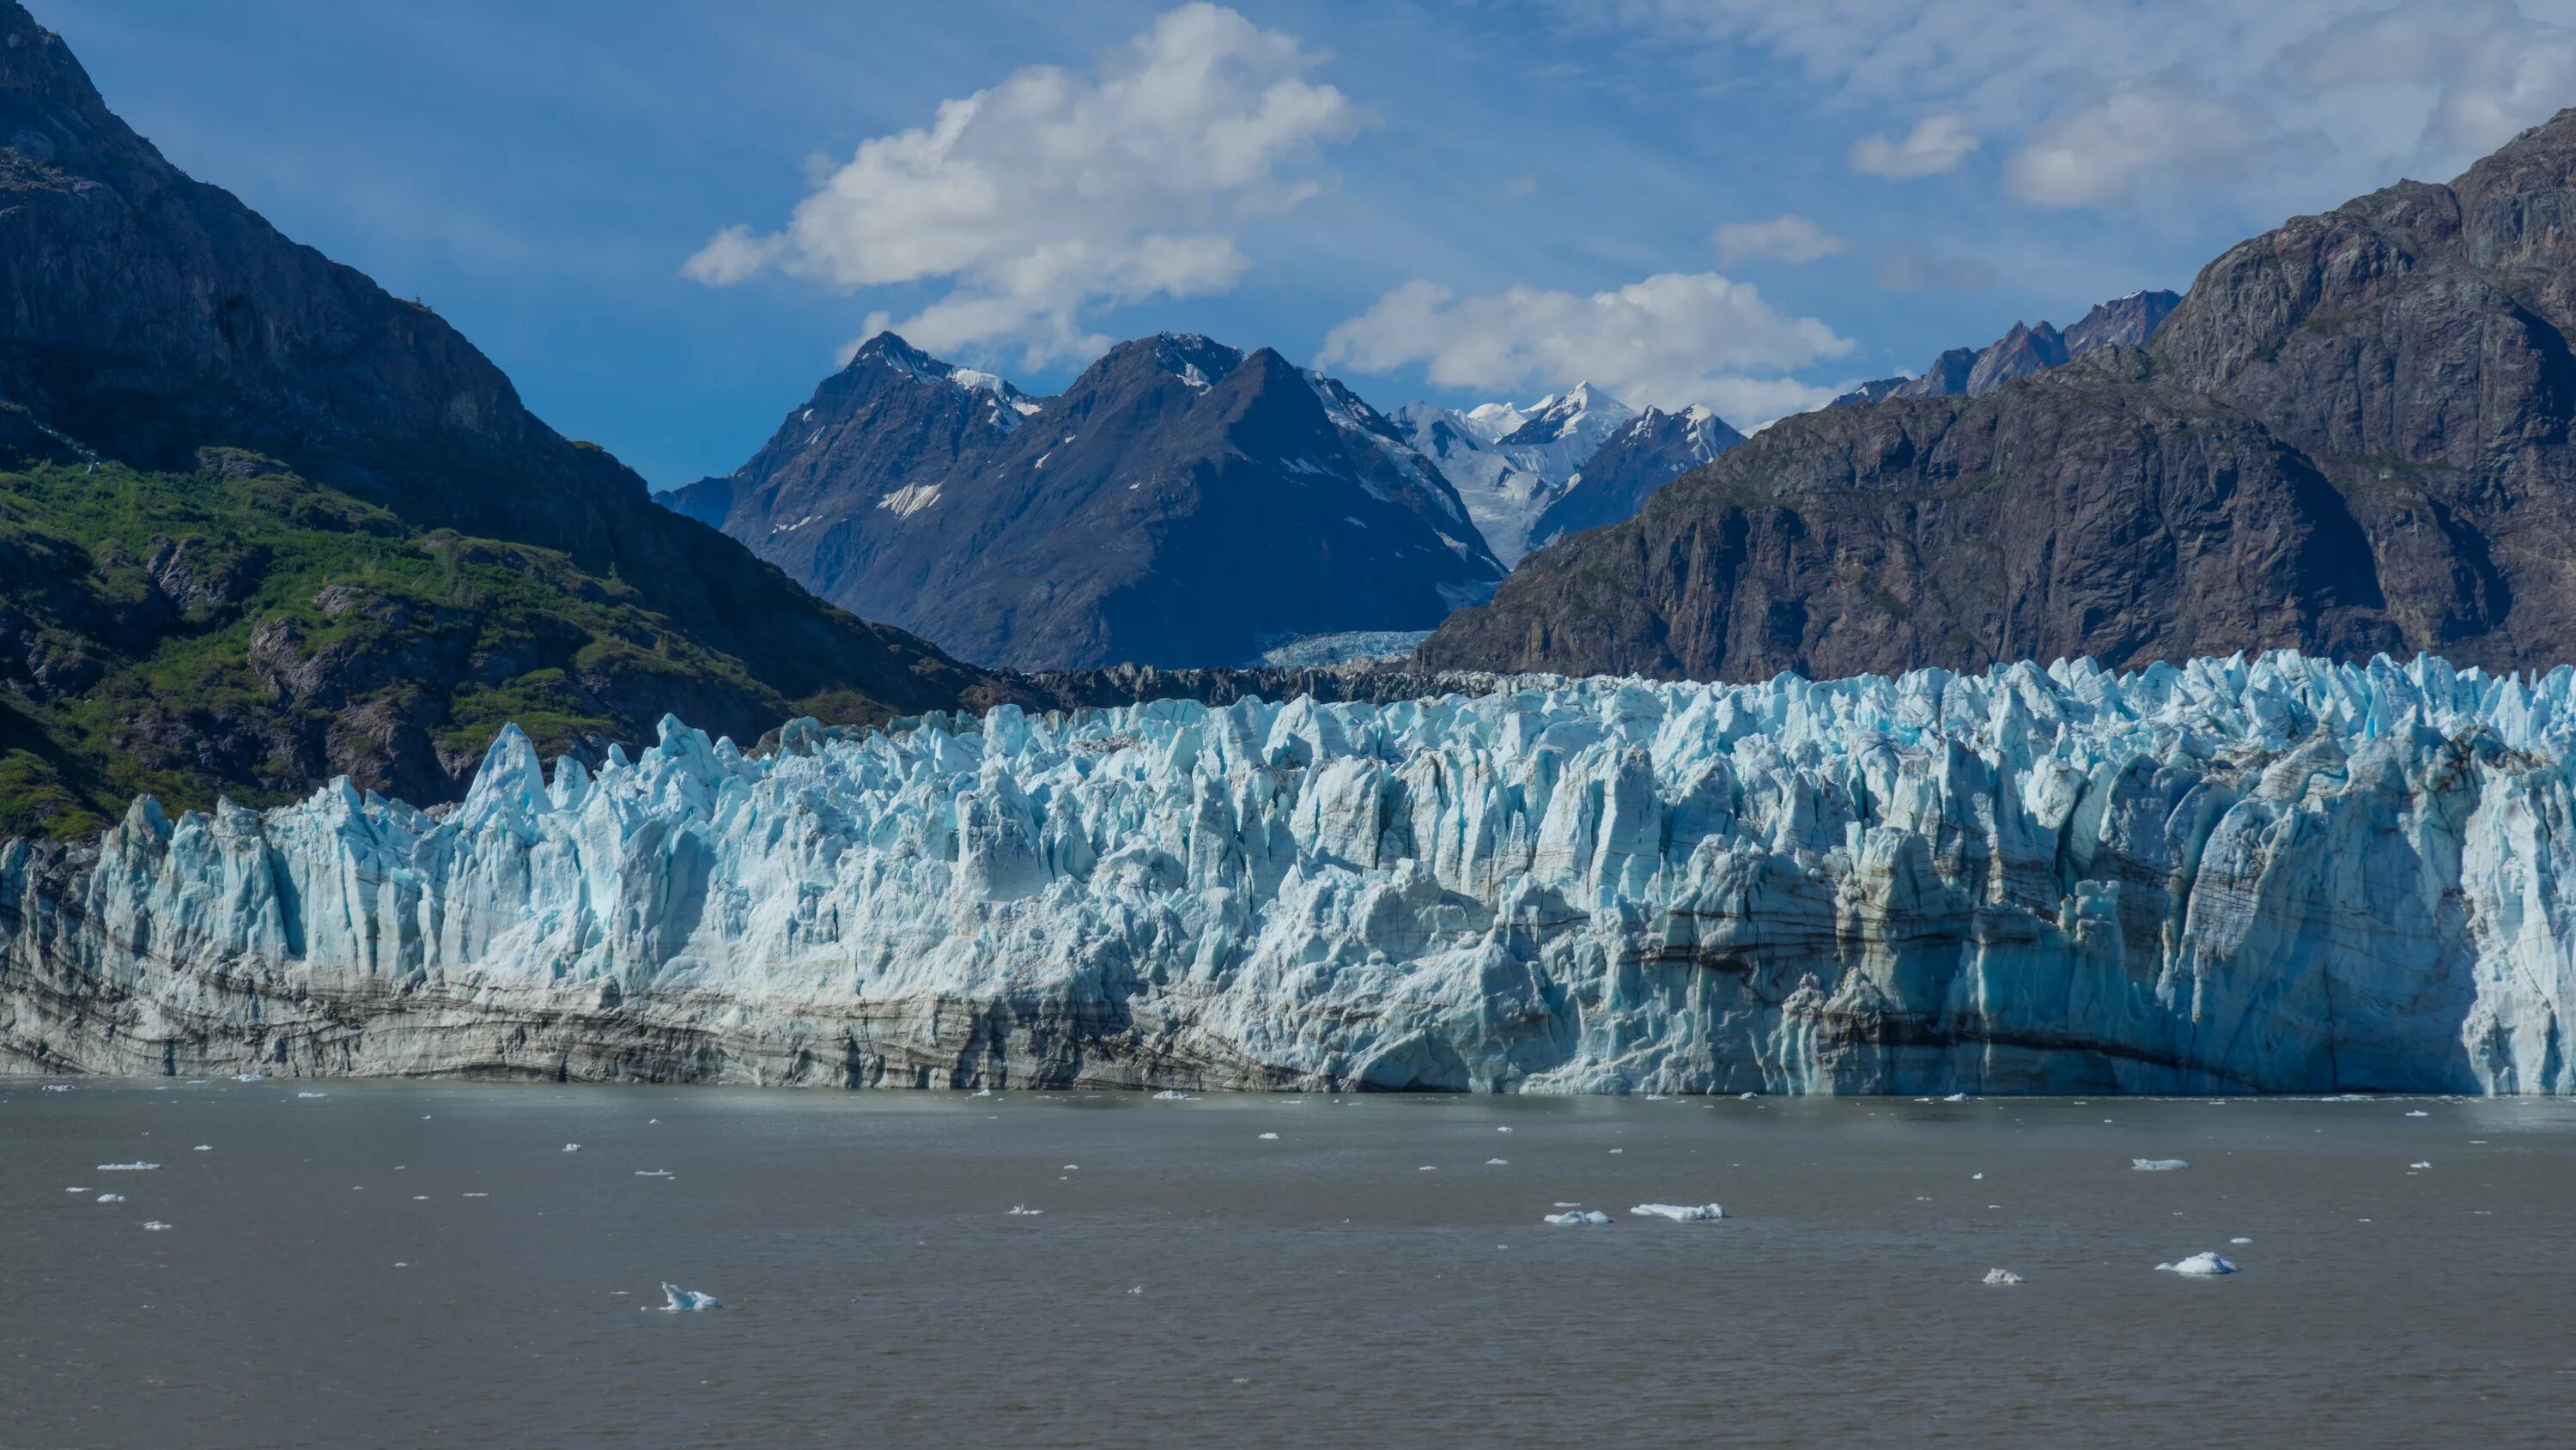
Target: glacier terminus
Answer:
pixel 2267 873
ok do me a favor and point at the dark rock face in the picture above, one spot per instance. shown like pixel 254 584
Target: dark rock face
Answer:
pixel 154 327
pixel 1947 377
pixel 1178 505
pixel 1651 450
pixel 2352 435
pixel 2017 354
pixel 2129 321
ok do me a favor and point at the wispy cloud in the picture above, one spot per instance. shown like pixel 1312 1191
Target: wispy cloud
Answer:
pixel 1911 269
pixel 1938 143
pixel 2260 109
pixel 1788 238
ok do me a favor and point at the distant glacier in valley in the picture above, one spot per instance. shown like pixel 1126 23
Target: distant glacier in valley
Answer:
pixel 2248 874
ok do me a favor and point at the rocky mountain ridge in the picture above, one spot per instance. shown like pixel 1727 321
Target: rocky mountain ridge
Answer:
pixel 2352 435
pixel 1180 503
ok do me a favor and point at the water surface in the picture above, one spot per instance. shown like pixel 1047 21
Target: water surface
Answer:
pixel 406 1264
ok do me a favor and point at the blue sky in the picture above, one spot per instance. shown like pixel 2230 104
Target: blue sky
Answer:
pixel 1437 198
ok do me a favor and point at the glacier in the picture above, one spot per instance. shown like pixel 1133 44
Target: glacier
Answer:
pixel 2254 874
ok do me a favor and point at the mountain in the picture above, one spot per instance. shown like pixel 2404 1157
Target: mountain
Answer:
pixel 266 523
pixel 1502 498
pixel 1182 503
pixel 1509 464
pixel 1649 451
pixel 2279 875
pixel 2128 321
pixel 2353 435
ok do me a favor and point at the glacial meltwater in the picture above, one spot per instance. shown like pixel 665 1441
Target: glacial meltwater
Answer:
pixel 342 1263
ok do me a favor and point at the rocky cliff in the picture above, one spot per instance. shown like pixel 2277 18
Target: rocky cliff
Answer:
pixel 2265 875
pixel 2352 435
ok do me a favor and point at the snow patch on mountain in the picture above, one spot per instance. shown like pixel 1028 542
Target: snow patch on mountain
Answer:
pixel 1509 464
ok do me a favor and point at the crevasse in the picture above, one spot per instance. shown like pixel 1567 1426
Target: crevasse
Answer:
pixel 2274 873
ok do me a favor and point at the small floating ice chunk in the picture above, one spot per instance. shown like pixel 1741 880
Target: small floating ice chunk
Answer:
pixel 155 1225
pixel 203 1148
pixel 1976 1175
pixel 572 1147
pixel 2002 1276
pixel 1956 1098
pixel 1748 1096
pixel 983 1092
pixel 652 1172
pixel 1022 1210
pixel 1498 1162
pixel 75 1188
pixel 2157 1165
pixel 1680 1212
pixel 136 1167
pixel 2240 1241
pixel 478 1195
pixel 57 1087
pixel 1173 1095
pixel 1579 1216
pixel 1073 1168
pixel 1502 1130
pixel 2419 1113
pixel 313 1095
pixel 2202 1265
pixel 1618 1150
pixel 111 1198
pixel 1270 1137
pixel 678 1299
pixel 2419 1165
pixel 245 1077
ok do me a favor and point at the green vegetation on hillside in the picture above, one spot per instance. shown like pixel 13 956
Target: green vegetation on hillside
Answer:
pixel 243 631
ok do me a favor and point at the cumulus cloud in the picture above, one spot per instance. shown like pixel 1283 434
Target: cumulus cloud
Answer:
pixel 1937 143
pixel 1056 191
pixel 1670 341
pixel 2263 109
pixel 1911 269
pixel 1788 238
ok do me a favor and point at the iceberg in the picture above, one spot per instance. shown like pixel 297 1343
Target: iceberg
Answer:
pixel 1578 1216
pixel 2261 873
pixel 2001 1276
pixel 1680 1212
pixel 678 1300
pixel 2202 1265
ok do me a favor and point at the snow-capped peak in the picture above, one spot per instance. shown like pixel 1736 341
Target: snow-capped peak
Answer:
pixel 886 349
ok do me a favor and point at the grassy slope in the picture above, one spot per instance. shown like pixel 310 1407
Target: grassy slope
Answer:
pixel 307 633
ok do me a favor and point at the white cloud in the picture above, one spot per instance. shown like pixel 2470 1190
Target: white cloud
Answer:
pixel 1669 341
pixel 2097 156
pixel 2260 108
pixel 1937 143
pixel 1056 191
pixel 1789 238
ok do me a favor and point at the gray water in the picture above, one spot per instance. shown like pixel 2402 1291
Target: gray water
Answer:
pixel 1367 1277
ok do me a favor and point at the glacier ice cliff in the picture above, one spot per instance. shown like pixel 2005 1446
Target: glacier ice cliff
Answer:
pixel 2265 874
